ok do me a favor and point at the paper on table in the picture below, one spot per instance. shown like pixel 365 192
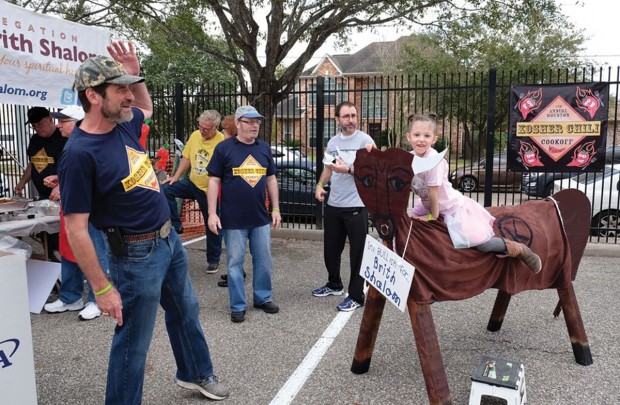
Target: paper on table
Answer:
pixel 421 165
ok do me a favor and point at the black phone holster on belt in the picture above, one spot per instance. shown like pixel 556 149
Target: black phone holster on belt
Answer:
pixel 118 247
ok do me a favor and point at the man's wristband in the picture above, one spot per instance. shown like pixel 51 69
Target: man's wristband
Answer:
pixel 319 184
pixel 275 209
pixel 104 290
pixel 429 217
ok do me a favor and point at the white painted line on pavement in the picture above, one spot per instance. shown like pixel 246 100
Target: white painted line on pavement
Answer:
pixel 189 242
pixel 297 380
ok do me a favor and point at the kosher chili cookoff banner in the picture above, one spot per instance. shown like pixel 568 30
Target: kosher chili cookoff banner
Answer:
pixel 39 55
pixel 558 128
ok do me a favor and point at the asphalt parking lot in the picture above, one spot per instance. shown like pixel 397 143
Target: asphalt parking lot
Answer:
pixel 260 359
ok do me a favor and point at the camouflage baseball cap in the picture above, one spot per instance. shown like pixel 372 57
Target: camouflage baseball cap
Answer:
pixel 102 69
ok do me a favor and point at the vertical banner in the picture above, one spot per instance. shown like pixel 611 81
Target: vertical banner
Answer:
pixel 558 128
pixel 39 55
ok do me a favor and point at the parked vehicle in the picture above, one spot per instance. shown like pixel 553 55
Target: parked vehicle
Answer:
pixel 603 191
pixel 296 185
pixel 539 184
pixel 472 177
pixel 286 153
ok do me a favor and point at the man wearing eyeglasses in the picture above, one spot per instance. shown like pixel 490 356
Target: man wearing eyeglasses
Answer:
pixel 196 156
pixel 243 165
pixel 345 213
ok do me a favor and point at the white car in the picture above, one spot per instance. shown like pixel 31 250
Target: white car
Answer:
pixel 286 154
pixel 603 192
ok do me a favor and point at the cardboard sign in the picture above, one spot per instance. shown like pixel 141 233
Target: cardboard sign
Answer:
pixel 387 272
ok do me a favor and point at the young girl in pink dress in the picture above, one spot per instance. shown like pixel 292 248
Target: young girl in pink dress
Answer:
pixel 469 224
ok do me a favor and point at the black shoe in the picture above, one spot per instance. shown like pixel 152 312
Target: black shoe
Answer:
pixel 237 316
pixel 225 276
pixel 223 283
pixel 268 307
pixel 212 268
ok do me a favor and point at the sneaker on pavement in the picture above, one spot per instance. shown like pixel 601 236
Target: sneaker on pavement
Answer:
pixel 325 291
pixel 268 307
pixel 59 306
pixel 210 388
pixel 238 316
pixel 90 311
pixel 212 268
pixel 348 304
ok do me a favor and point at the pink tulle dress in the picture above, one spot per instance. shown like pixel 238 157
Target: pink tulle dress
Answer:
pixel 469 224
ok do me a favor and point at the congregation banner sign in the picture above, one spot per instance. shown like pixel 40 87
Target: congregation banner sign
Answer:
pixel 39 55
pixel 558 128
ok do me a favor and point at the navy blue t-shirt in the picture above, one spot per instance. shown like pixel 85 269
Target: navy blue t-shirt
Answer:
pixel 110 176
pixel 243 171
pixel 43 154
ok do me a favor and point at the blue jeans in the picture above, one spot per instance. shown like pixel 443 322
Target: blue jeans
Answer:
pixel 184 188
pixel 260 249
pixel 72 277
pixel 154 273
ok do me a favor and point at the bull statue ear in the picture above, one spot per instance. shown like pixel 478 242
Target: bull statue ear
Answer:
pixel 421 165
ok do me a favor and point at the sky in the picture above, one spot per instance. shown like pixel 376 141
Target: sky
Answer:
pixel 600 20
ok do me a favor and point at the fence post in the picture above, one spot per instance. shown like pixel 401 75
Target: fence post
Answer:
pixel 319 145
pixel 491 106
pixel 179 112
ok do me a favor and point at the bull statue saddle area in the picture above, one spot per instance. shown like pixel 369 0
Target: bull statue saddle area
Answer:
pixel 555 228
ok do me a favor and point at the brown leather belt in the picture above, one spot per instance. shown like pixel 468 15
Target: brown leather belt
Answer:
pixel 162 232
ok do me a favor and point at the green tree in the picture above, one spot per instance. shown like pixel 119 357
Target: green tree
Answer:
pixel 530 49
pixel 248 31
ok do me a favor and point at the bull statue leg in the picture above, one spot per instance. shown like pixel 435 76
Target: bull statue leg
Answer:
pixel 429 353
pixel 369 328
pixel 574 323
pixel 499 311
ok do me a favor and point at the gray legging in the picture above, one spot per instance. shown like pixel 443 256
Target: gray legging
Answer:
pixel 495 244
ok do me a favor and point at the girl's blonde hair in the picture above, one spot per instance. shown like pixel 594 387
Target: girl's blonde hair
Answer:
pixel 432 118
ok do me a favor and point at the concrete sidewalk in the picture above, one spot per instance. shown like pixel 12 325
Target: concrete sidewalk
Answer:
pixel 256 358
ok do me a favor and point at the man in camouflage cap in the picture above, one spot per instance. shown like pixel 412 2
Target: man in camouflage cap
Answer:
pixel 102 69
pixel 106 178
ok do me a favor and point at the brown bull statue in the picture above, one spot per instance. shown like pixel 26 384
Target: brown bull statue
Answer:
pixel 555 228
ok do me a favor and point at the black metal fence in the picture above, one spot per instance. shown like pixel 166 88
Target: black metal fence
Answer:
pixel 472 114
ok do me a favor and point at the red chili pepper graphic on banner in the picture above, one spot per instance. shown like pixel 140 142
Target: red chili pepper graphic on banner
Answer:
pixel 530 156
pixel 530 102
pixel 588 101
pixel 583 155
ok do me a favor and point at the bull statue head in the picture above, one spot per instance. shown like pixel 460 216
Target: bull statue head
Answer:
pixel 383 181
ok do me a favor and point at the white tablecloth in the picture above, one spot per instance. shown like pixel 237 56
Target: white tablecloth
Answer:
pixel 25 227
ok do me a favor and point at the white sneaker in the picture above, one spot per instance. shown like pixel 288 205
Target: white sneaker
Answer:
pixel 59 306
pixel 91 311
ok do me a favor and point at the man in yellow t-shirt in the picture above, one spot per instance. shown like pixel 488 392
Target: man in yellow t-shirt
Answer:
pixel 196 156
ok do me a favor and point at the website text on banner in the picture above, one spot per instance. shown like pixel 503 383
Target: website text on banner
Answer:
pixel 39 55
pixel 387 272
